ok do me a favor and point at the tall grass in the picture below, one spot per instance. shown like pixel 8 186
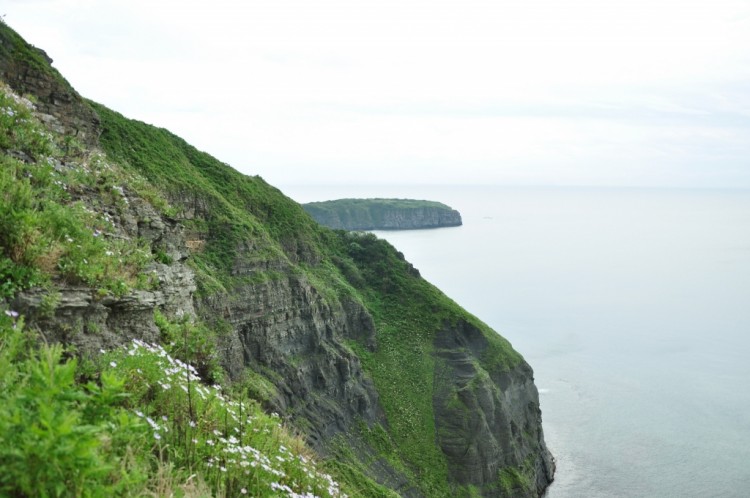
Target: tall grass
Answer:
pixel 134 422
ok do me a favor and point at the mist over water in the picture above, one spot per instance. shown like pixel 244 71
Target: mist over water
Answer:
pixel 633 308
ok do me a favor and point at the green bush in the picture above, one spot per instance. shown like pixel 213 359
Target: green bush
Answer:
pixel 144 423
pixel 191 342
pixel 58 438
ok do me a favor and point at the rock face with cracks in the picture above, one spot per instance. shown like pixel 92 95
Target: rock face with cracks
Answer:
pixel 488 421
pixel 283 325
pixel 27 70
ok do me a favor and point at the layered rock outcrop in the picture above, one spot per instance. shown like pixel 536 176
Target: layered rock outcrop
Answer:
pixel 90 321
pixel 28 70
pixel 309 338
pixel 488 420
pixel 284 326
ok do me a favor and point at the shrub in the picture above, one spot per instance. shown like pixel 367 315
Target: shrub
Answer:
pixel 58 438
pixel 137 422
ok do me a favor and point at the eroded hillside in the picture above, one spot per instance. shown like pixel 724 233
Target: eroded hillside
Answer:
pixel 124 231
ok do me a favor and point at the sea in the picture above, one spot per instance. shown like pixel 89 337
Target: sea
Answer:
pixel 631 305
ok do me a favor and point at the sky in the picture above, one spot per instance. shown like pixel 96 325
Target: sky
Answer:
pixel 511 92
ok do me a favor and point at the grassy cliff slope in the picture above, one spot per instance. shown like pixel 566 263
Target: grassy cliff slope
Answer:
pixel 382 374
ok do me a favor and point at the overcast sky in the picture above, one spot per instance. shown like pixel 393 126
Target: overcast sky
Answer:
pixel 551 92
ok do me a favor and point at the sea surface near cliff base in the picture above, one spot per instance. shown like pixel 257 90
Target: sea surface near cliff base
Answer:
pixel 630 305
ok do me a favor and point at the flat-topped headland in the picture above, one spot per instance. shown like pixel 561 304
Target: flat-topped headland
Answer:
pixel 383 214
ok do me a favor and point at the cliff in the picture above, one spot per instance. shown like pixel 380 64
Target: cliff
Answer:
pixel 28 70
pixel 382 214
pixel 118 230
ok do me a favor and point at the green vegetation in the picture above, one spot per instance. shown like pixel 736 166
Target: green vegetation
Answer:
pixel 15 49
pixel 517 480
pixel 138 422
pixel 233 208
pixel 57 436
pixel 70 429
pixel 192 342
pixel 47 234
pixel 147 419
pixel 408 312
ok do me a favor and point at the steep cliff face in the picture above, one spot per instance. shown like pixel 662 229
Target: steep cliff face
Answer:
pixel 284 326
pixel 84 318
pixel 466 381
pixel 488 421
pixel 383 214
pixel 374 365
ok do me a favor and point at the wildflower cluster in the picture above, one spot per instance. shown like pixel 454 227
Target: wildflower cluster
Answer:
pixel 20 131
pixel 233 445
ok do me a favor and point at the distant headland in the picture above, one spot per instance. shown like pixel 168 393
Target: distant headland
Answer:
pixel 383 214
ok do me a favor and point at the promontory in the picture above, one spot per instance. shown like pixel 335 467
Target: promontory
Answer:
pixel 383 214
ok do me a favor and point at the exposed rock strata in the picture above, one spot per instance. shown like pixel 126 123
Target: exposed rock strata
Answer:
pixel 27 70
pixel 283 328
pixel 487 420
pixel 90 322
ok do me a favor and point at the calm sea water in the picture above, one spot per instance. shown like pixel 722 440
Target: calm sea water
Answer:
pixel 633 308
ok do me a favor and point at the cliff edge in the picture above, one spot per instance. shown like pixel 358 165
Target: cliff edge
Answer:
pixel 123 231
